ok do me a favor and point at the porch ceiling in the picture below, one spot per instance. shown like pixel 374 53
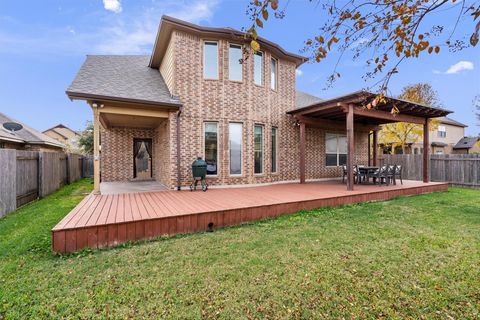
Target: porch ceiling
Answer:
pixel 334 109
pixel 122 120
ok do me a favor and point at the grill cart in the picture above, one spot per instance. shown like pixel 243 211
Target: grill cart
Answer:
pixel 199 171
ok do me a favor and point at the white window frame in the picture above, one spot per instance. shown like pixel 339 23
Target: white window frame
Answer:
pixel 218 145
pixel 338 153
pixel 262 69
pixel 276 150
pixel 263 149
pixel 274 86
pixel 241 65
pixel 241 151
pixel 205 62
pixel 442 131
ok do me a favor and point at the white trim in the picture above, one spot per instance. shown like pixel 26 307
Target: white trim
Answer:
pixel 263 149
pixel 241 65
pixel 204 61
pixel 276 150
pixel 236 175
pixel 262 54
pixel 276 73
pixel 252 185
pixel 218 145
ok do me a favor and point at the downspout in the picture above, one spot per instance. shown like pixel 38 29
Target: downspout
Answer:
pixel 179 183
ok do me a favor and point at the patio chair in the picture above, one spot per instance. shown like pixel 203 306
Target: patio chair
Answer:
pixel 361 174
pixel 379 175
pixel 355 173
pixel 398 173
pixel 390 174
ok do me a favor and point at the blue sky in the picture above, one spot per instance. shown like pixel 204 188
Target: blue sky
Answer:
pixel 43 44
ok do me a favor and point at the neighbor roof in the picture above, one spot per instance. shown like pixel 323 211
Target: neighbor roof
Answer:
pixel 168 24
pixel 303 99
pixel 25 135
pixel 466 143
pixel 60 126
pixel 121 78
pixel 447 120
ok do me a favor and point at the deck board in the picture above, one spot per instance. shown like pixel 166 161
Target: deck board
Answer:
pixel 108 220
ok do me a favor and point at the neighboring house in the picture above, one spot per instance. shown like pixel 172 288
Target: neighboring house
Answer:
pixel 153 115
pixel 467 145
pixel 65 135
pixel 442 140
pixel 16 135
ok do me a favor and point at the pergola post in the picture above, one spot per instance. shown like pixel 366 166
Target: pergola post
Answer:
pixel 375 147
pixel 369 147
pixel 96 148
pixel 302 151
pixel 426 151
pixel 350 147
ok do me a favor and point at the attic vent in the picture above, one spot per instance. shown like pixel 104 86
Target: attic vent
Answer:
pixel 12 126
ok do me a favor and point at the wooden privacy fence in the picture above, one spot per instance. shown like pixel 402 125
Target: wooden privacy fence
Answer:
pixel 28 175
pixel 457 169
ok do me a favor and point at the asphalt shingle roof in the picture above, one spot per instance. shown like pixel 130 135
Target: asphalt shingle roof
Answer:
pixel 26 134
pixel 447 120
pixel 303 99
pixel 466 143
pixel 124 78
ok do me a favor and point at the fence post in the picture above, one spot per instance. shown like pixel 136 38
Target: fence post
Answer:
pixel 67 167
pixel 8 181
pixel 40 174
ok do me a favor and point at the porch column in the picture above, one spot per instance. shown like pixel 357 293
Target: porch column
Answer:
pixel 426 151
pixel 96 148
pixel 350 148
pixel 375 147
pixel 302 151
pixel 369 147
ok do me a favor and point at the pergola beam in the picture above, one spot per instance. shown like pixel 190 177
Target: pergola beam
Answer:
pixel 384 115
pixel 332 124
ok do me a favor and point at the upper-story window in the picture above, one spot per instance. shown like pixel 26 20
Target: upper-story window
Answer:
pixel 234 63
pixel 258 68
pixel 442 132
pixel 210 60
pixel 273 73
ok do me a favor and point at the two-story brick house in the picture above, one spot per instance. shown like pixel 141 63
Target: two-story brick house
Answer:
pixel 200 94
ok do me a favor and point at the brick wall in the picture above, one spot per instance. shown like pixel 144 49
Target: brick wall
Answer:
pixel 117 152
pixel 225 101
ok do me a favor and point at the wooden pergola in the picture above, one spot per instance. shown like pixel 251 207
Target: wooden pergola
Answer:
pixel 350 113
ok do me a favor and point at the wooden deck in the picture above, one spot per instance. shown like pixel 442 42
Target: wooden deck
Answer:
pixel 108 220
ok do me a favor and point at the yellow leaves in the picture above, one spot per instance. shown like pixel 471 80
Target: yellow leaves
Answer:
pixel 259 22
pixel 265 14
pixel 254 45
pixel 274 4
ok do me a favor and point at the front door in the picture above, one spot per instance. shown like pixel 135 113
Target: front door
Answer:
pixel 142 158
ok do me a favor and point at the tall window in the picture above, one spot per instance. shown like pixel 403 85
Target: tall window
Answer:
pixel 335 149
pixel 442 132
pixel 235 131
pixel 273 74
pixel 274 150
pixel 258 148
pixel 234 65
pixel 210 60
pixel 211 147
pixel 258 68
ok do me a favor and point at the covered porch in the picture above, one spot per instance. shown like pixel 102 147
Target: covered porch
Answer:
pixel 363 111
pixel 108 220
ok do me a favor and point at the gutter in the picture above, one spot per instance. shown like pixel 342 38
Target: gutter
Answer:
pixel 179 182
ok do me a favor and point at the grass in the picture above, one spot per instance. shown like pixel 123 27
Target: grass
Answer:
pixel 411 257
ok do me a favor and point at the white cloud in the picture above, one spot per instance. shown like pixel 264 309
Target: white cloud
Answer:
pixel 112 5
pixel 298 72
pixel 460 66
pixel 132 33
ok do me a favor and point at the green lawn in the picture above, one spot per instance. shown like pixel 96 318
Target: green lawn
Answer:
pixel 412 257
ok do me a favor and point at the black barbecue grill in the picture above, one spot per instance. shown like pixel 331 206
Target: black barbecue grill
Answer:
pixel 199 172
